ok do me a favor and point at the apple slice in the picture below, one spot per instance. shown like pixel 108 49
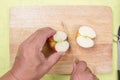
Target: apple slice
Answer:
pixel 58 42
pixel 85 37
pixel 60 36
pixel 85 42
pixel 87 31
pixel 62 46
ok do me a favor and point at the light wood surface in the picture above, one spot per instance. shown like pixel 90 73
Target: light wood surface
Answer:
pixel 26 20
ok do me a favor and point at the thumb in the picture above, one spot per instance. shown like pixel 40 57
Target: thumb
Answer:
pixel 53 59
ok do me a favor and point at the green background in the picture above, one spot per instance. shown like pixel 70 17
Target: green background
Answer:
pixel 5 6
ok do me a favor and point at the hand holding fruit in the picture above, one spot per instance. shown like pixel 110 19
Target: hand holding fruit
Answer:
pixel 30 63
pixel 58 42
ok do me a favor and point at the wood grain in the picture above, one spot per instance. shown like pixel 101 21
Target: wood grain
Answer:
pixel 26 20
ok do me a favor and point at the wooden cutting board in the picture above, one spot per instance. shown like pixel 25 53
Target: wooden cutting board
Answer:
pixel 26 20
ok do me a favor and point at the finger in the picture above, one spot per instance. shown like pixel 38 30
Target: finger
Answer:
pixel 42 57
pixel 81 66
pixel 88 69
pixel 53 59
pixel 95 78
pixel 74 67
pixel 31 37
pixel 43 35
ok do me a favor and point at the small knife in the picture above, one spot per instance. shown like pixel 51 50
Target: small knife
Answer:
pixel 119 53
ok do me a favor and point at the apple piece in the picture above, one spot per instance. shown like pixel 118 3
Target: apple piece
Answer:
pixel 60 36
pixel 52 43
pixel 62 46
pixel 87 31
pixel 58 42
pixel 85 36
pixel 78 34
pixel 85 42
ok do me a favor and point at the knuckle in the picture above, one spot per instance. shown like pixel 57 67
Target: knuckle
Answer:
pixel 24 46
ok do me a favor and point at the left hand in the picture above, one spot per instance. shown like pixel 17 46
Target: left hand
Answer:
pixel 31 64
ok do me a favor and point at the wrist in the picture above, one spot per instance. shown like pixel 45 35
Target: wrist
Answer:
pixel 23 73
pixel 8 76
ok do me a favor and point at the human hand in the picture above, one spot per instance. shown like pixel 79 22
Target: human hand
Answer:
pixel 30 63
pixel 82 72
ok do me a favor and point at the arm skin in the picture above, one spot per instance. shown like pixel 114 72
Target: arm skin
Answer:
pixel 8 76
pixel 31 64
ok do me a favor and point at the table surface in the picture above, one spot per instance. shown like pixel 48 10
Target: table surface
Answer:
pixel 5 5
pixel 26 20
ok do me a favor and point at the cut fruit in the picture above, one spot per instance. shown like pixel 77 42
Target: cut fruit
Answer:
pixel 85 37
pixel 62 46
pixel 58 42
pixel 60 36
pixel 87 31
pixel 51 39
pixel 52 43
pixel 85 42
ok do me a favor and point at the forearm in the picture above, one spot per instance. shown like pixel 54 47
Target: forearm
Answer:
pixel 8 76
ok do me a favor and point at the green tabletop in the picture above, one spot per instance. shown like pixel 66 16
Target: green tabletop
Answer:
pixel 5 6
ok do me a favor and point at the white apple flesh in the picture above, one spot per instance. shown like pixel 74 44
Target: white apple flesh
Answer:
pixel 87 31
pixel 60 36
pixel 85 42
pixel 62 46
pixel 85 37
pixel 58 42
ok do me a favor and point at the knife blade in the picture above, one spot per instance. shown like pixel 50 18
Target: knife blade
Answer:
pixel 119 53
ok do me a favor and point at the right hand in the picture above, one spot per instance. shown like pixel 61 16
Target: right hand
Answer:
pixel 82 72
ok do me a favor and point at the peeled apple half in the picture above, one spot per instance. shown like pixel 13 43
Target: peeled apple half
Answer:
pixel 85 37
pixel 58 42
